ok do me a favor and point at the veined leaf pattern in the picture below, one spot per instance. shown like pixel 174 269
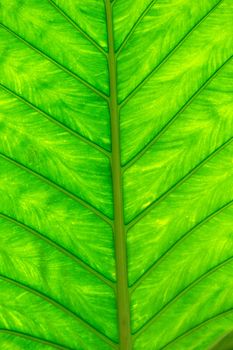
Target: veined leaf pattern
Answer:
pixel 116 174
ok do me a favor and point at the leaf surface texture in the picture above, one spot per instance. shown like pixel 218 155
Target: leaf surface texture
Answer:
pixel 116 174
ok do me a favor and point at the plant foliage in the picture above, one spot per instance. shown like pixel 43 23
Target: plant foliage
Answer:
pixel 116 174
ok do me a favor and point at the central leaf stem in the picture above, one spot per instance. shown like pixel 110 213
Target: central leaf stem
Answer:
pixel 123 303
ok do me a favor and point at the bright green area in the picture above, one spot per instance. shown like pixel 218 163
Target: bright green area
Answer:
pixel 116 174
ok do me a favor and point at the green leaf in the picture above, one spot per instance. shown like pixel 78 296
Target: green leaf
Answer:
pixel 116 174
pixel 226 343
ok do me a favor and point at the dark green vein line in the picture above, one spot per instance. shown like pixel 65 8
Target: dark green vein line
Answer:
pixel 60 248
pixel 122 292
pixel 59 306
pixel 58 187
pixel 178 183
pixel 180 295
pixel 166 58
pixel 56 63
pixel 185 236
pixel 77 27
pixel 56 122
pixel 34 339
pixel 175 117
pixel 134 27
pixel 200 325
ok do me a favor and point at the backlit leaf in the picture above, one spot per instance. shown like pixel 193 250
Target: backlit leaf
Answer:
pixel 116 174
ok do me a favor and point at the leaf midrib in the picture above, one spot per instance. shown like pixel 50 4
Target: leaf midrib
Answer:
pixel 117 175
pixel 122 291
